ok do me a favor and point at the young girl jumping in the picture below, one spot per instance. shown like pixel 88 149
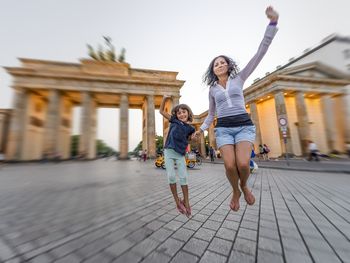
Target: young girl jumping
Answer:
pixel 175 149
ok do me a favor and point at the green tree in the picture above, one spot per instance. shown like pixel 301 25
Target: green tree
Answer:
pixel 138 148
pixel 101 147
pixel 159 145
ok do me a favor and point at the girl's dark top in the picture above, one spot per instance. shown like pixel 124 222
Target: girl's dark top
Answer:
pixel 178 135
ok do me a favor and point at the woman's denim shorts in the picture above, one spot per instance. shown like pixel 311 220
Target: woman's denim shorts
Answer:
pixel 234 135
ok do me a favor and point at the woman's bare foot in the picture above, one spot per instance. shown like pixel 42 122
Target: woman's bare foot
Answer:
pixel 234 204
pixel 248 195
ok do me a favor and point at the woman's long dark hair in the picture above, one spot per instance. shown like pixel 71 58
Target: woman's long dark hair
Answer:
pixel 209 77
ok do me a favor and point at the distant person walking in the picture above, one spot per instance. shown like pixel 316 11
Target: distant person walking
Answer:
pixel 144 155
pixel 212 153
pixel 313 152
pixel 2 159
pixel 348 149
pixel 140 155
pixel 266 151
pixel 261 152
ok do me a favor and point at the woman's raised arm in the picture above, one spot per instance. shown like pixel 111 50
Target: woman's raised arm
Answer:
pixel 270 32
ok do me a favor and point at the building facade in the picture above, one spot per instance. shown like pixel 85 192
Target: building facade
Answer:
pixel 311 93
pixel 46 92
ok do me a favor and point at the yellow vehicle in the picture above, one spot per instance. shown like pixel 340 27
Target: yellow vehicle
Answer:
pixel 190 162
pixel 159 162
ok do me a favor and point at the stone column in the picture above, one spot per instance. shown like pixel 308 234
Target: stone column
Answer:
pixel 151 127
pixel 255 119
pixel 303 122
pixel 202 146
pixel 17 123
pixel 87 141
pixel 52 125
pixel 328 118
pixel 4 129
pixel 212 141
pixel 124 127
pixel 281 111
pixel 346 100
pixel 144 126
pixel 176 101
pixel 93 130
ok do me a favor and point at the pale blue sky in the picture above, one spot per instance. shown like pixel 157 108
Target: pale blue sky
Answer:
pixel 181 35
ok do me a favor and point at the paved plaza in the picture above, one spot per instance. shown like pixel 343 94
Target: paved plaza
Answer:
pixel 122 211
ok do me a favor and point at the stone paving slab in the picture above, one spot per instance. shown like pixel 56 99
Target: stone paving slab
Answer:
pixel 112 211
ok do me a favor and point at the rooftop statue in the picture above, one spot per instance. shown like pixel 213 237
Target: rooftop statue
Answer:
pixel 106 54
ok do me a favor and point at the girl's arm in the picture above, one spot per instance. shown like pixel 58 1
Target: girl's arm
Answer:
pixel 191 136
pixel 270 32
pixel 162 105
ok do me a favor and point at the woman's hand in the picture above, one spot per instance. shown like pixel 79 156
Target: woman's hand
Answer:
pixel 197 134
pixel 271 14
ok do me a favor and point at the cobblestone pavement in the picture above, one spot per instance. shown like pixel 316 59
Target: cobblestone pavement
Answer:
pixel 112 211
pixel 328 166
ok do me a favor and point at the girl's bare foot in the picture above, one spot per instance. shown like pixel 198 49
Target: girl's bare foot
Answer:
pixel 248 195
pixel 188 210
pixel 234 204
pixel 180 207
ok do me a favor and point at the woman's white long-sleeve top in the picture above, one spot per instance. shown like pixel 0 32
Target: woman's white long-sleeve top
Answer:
pixel 229 101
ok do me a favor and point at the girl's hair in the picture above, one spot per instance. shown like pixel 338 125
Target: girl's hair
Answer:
pixel 209 77
pixel 184 107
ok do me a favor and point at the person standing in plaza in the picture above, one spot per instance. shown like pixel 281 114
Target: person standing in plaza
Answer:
pixel 175 146
pixel 313 151
pixel 234 131
pixel 266 150
pixel 140 155
pixel 211 153
pixel 261 152
pixel 144 155
pixel 348 149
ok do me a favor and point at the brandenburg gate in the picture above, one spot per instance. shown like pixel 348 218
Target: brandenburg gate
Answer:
pixel 47 91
